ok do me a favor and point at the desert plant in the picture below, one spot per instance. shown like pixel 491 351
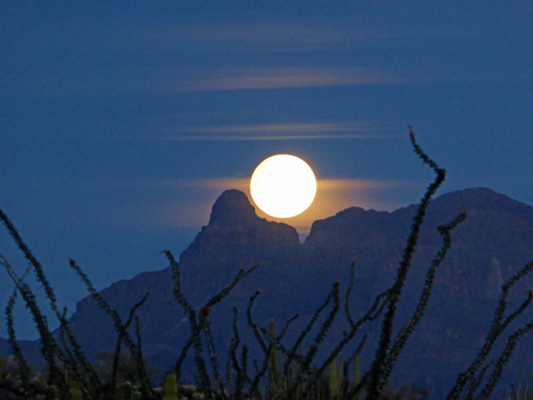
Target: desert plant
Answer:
pixel 74 390
pixel 522 391
pixel 170 387
pixel 286 371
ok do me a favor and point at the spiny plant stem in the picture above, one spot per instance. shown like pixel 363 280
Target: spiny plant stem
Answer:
pixel 351 282
pixel 496 329
pixel 24 370
pixel 211 348
pixel 119 327
pixel 41 277
pixel 377 372
pixel 120 339
pixel 512 341
pixel 292 353
pixel 195 326
pixel 252 325
pixel 49 347
pixel 232 347
pixel 408 329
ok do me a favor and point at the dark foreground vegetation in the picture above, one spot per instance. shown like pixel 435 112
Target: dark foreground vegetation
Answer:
pixel 282 370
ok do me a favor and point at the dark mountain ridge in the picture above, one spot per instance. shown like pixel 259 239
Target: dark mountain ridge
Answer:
pixel 492 244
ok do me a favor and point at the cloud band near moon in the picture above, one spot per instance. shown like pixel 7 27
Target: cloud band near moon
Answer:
pixel 196 197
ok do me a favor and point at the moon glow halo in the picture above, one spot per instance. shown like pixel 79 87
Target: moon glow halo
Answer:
pixel 283 186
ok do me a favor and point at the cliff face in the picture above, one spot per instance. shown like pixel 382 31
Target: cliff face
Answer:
pixel 491 245
pixel 495 240
pixel 235 238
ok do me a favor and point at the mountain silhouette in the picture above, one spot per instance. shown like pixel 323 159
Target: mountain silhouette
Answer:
pixel 494 242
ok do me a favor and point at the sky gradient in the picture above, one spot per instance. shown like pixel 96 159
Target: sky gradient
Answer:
pixel 122 122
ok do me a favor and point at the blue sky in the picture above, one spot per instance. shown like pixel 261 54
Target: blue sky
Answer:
pixel 122 122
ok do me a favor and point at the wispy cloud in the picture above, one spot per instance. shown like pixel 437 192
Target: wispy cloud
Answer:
pixel 333 195
pixel 285 131
pixel 289 127
pixel 274 77
pixel 284 137
pixel 217 183
pixel 259 37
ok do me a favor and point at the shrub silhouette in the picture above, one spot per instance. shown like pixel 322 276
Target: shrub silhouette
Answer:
pixel 286 371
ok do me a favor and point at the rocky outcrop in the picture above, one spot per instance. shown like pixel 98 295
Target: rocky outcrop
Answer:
pixel 234 238
pixel 494 241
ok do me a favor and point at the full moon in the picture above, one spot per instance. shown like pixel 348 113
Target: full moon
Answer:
pixel 283 186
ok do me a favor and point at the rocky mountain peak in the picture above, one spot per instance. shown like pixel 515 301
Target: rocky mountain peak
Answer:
pixel 236 234
pixel 231 204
